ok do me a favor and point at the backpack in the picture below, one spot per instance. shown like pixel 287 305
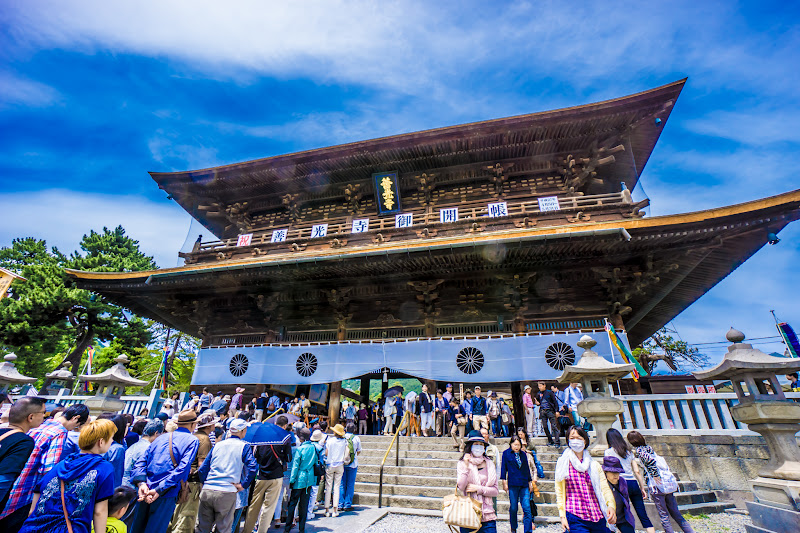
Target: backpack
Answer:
pixel 319 466
pixel 350 456
pixel 668 482
pixel 494 410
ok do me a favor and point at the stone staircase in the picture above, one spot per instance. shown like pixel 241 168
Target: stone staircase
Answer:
pixel 427 472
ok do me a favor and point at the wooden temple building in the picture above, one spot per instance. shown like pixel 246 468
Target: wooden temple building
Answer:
pixel 477 253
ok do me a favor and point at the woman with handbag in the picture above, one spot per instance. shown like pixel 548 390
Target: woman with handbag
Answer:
pixel 517 481
pixel 661 482
pixel 506 418
pixel 74 494
pixel 631 475
pixel 477 478
pixel 527 443
pixel 583 497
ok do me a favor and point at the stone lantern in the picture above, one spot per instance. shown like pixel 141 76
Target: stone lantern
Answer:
pixel 766 410
pixel 110 386
pixel 61 378
pixel 598 406
pixel 9 375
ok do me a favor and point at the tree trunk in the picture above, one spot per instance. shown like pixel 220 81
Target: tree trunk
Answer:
pixel 172 354
pixel 74 357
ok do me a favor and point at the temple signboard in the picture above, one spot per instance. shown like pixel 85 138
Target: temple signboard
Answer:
pixel 548 203
pixel 387 192
pixel 6 278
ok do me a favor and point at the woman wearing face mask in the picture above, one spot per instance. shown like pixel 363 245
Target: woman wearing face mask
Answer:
pixel 477 478
pixel 528 445
pixel 517 481
pixel 584 499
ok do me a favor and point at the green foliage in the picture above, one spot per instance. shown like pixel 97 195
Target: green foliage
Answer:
pixel 375 386
pixel 46 318
pixel 663 346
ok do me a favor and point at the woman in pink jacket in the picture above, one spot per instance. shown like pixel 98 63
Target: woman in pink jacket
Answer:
pixel 477 478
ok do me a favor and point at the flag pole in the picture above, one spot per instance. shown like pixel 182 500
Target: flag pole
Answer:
pixel 780 331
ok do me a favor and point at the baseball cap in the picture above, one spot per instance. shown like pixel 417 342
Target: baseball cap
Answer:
pixel 238 425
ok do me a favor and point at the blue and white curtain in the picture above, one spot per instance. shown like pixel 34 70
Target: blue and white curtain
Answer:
pixel 502 359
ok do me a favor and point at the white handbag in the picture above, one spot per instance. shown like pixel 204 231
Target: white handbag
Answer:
pixel 461 511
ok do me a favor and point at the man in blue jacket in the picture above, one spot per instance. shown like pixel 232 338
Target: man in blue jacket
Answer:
pixel 159 472
pixel 479 411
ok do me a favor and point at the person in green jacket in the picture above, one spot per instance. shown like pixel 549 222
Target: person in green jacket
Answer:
pixel 302 479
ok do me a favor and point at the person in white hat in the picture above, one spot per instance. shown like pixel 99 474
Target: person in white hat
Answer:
pixel 228 469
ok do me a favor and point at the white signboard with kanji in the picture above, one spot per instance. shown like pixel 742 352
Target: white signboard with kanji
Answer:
pixel 279 235
pixel 448 215
pixel 360 225
pixel 245 240
pixel 549 203
pixel 404 220
pixel 319 230
pixel 500 209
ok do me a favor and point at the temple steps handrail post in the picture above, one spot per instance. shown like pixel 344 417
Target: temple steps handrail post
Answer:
pixel 396 439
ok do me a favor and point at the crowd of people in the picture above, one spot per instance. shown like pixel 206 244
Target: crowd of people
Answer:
pixel 188 469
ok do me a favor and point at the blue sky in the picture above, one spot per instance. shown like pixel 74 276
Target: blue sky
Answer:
pixel 94 94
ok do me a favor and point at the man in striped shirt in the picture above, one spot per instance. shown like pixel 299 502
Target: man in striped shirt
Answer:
pixel 48 445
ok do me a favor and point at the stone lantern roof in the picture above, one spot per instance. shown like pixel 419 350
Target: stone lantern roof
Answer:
pixel 743 359
pixel 593 366
pixel 63 373
pixel 116 375
pixel 9 373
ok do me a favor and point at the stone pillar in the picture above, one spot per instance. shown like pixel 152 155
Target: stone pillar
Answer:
pixel 334 403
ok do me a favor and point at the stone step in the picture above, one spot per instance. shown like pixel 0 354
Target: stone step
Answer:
pixel 449 481
pixel 383 441
pixel 439 454
pixel 548 466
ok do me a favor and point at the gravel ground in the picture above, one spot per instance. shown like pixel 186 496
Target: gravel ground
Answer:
pixel 395 523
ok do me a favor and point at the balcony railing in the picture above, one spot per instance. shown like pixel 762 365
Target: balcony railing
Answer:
pixel 339 227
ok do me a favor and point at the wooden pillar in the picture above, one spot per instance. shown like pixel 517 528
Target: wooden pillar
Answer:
pixel 334 403
pixel 365 381
pixel 516 400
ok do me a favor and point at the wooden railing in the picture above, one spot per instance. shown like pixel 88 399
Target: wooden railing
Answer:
pixel 342 226
pixel 659 414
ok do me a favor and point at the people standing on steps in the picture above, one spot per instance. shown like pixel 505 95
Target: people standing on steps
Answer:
pixel 302 480
pixel 477 478
pixel 185 515
pixel 335 448
pixel 494 414
pixel 631 475
pixel 399 410
pixel 493 453
pixel 350 468
pixel 528 405
pixel 459 417
pixel 79 487
pixel 412 408
pixel 527 443
pixel 440 409
pixel 467 404
pixel 517 481
pixel 613 468
pixel 572 397
pixel 661 483
pixel 426 412
pixel 479 411
pixel 159 472
pixel 507 418
pixel 362 415
pixel 24 415
pixel 548 403
pixel 388 414
pixel 228 469
pixel 273 461
pixel 584 499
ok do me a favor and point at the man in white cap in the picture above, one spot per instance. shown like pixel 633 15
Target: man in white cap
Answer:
pixel 228 469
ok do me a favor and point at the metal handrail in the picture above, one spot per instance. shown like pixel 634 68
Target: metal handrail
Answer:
pixel 278 410
pixel 396 457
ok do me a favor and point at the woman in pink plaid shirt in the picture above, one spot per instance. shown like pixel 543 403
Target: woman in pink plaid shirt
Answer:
pixel 584 499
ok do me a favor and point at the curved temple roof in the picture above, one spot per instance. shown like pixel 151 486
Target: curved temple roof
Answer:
pixel 630 120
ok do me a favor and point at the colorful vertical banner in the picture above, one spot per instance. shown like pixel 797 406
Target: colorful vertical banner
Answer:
pixel 626 355
pixel 790 338
pixel 87 386
pixel 164 368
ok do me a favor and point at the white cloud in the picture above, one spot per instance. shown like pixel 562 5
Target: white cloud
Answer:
pixel 758 126
pixel 62 217
pixel 17 90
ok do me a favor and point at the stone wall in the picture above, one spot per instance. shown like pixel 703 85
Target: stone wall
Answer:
pixel 715 462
